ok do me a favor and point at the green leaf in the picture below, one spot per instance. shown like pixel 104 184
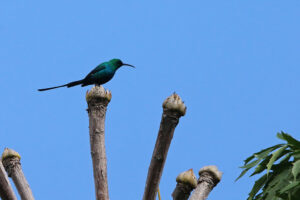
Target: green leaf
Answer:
pixel 270 196
pixel 286 158
pixel 280 136
pixel 263 153
pixel 250 165
pixel 295 194
pixel 261 166
pixel 289 187
pixel 278 168
pixel 282 180
pixel 296 154
pixel 275 156
pixel 278 180
pixel 257 186
pixel 296 169
pixel 248 159
pixel 258 197
pixel 290 140
pixel 242 174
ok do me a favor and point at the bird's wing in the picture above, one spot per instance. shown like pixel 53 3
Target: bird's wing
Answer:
pixel 97 69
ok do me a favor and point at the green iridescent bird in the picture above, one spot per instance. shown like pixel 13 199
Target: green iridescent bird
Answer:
pixel 98 76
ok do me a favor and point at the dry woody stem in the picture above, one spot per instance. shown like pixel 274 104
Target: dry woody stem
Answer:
pixel 209 177
pixel 12 165
pixel 97 100
pixel 173 109
pixel 6 191
pixel 186 182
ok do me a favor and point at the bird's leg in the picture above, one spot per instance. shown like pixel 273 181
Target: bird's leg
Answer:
pixel 97 84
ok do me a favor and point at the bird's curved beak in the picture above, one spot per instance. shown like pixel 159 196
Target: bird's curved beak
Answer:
pixel 129 65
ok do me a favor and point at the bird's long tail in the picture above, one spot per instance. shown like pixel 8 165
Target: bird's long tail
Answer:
pixel 71 84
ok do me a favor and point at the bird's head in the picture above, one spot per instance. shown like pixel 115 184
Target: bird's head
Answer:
pixel 117 63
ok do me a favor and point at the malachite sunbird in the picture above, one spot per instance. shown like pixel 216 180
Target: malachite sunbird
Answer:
pixel 98 76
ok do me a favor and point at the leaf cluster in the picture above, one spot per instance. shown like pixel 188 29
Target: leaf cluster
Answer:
pixel 281 164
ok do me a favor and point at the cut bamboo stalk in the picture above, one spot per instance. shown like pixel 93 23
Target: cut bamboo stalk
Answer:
pixel 11 162
pixel 173 109
pixel 6 191
pixel 186 182
pixel 97 99
pixel 209 177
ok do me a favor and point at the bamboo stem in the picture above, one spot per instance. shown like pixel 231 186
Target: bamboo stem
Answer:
pixel 6 191
pixel 173 109
pixel 12 165
pixel 186 182
pixel 97 99
pixel 209 177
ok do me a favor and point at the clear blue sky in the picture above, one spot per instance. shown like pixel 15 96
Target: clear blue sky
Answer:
pixel 234 63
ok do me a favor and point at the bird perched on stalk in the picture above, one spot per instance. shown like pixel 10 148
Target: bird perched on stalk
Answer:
pixel 98 76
